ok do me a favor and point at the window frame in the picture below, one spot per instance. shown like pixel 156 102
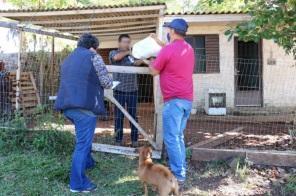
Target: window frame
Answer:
pixel 196 70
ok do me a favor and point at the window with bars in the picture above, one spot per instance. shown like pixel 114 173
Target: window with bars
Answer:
pixel 206 48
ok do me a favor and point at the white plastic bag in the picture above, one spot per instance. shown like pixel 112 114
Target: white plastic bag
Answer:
pixel 146 48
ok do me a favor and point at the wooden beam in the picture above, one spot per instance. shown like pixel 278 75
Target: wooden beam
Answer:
pixel 132 120
pixel 121 150
pixel 210 18
pixel 88 20
pixel 76 12
pixel 94 31
pixel 206 154
pixel 158 101
pixel 277 158
pixel 272 157
pixel 125 32
pixel 52 65
pixel 18 71
pixel 14 25
pixel 219 139
pixel 35 87
pixel 115 37
pixel 93 26
pixel 127 69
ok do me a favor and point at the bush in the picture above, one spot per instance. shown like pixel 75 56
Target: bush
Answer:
pixel 13 139
pixel 45 141
pixel 46 119
pixel 57 142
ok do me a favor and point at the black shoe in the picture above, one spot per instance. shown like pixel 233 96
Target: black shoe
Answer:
pixel 90 188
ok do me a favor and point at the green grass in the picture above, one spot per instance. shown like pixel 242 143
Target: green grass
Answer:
pixel 38 163
pixel 214 168
pixel 39 174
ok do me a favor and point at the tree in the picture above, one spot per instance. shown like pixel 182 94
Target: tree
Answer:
pixel 271 19
pixel 214 6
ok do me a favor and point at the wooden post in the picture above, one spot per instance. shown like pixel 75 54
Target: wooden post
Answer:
pixel 51 72
pixel 158 101
pixel 18 71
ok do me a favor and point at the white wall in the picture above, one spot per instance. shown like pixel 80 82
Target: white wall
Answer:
pixel 223 80
pixel 279 80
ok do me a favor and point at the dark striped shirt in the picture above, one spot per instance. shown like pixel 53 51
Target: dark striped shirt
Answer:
pixel 128 82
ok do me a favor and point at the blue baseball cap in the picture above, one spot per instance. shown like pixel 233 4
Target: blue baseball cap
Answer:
pixel 178 24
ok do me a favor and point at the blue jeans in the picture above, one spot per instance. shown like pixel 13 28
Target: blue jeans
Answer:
pixel 130 100
pixel 175 115
pixel 85 124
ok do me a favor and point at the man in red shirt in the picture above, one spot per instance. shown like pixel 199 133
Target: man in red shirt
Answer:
pixel 175 64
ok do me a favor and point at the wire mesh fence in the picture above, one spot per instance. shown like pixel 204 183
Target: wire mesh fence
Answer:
pixel 259 100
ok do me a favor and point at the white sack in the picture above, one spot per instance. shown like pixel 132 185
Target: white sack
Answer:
pixel 146 48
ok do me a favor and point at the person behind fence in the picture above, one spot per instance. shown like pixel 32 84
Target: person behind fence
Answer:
pixel 81 98
pixel 175 64
pixel 126 93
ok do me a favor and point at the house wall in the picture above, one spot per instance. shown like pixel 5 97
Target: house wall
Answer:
pixel 279 79
pixel 225 79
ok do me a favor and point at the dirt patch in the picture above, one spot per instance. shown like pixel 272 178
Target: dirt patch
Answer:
pixel 216 178
pixel 255 135
pixel 260 132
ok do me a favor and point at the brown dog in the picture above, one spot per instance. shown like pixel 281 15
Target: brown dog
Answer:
pixel 156 174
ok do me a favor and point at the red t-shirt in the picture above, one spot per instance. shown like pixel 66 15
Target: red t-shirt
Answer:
pixel 175 62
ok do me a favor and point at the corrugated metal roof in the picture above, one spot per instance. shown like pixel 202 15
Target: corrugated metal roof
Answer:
pixel 205 13
pixel 80 8
pixel 104 21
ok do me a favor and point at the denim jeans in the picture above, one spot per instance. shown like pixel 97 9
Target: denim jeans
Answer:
pixel 85 124
pixel 128 99
pixel 175 115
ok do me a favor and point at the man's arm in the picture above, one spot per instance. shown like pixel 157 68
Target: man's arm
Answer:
pixel 120 55
pixel 157 65
pixel 139 62
pixel 153 71
pixel 102 72
pixel 158 41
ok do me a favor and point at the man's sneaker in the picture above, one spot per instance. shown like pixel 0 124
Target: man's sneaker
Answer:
pixel 90 188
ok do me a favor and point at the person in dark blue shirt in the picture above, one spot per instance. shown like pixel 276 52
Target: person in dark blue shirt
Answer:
pixel 81 99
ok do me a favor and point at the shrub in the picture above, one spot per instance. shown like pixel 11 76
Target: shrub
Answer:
pixel 52 141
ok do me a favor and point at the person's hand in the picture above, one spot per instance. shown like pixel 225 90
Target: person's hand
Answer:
pixel 147 62
pixel 139 62
pixel 153 35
